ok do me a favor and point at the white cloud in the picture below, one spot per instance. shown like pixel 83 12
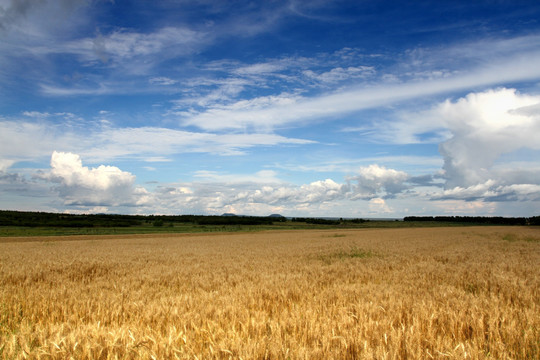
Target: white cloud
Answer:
pixel 33 17
pixel 341 74
pixel 263 176
pixel 5 164
pixel 409 163
pixel 470 207
pixel 476 133
pixel 322 191
pixel 378 206
pixel 259 69
pixel 121 46
pixel 18 141
pixel 232 77
pixel 491 191
pixel 82 188
pixel 263 192
pixel 257 194
pixel 160 141
pixel 101 186
pixel 126 45
pixel 259 113
pixel 283 109
pixel 489 142
pixel 474 192
pixel 67 167
pixel 222 92
pixel 375 181
pixel 36 114
pixel 120 56
pixel 485 126
pixel 162 80
pixel 518 192
pixel 102 88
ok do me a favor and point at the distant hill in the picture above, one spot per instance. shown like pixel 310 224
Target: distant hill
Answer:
pixel 276 216
pixel 228 214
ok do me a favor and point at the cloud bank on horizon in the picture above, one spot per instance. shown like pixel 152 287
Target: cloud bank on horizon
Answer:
pixel 333 108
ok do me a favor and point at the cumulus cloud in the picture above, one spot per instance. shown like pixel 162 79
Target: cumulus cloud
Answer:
pixel 5 164
pixel 105 186
pixel 260 194
pixel 83 188
pixel 9 178
pixel 378 206
pixel 374 181
pixel 101 186
pixel 378 188
pixel 313 193
pixel 491 191
pixel 489 142
pixel 484 127
pixel 281 194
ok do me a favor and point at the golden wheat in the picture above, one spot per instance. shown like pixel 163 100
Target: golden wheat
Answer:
pixel 441 293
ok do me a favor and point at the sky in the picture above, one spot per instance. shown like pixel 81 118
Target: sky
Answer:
pixel 354 109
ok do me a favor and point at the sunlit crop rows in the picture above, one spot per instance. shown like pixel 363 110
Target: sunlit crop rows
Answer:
pixel 442 293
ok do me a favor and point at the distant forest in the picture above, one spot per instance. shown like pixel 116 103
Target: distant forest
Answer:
pixel 495 220
pixel 44 219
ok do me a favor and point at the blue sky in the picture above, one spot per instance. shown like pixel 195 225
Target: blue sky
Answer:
pixel 315 108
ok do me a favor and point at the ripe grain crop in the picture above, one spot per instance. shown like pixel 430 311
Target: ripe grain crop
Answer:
pixel 430 293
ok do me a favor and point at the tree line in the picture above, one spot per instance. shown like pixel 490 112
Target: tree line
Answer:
pixel 45 219
pixel 322 221
pixel 484 220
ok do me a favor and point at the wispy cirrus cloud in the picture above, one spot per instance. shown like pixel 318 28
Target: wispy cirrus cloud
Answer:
pixel 102 142
pixel 120 46
pixel 162 80
pixel 329 121
pixel 418 164
pixel 338 74
pixel 283 109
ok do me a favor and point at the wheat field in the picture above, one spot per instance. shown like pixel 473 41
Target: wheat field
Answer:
pixel 430 293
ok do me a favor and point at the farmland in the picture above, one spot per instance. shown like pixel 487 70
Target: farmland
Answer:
pixel 394 293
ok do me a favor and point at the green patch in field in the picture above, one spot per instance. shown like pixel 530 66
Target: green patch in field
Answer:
pixel 49 241
pixel 335 235
pixel 352 253
pixel 510 237
pixel 514 237
pixel 471 288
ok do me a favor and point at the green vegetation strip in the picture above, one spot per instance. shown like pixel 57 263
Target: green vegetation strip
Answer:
pixel 352 253
pixel 16 224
